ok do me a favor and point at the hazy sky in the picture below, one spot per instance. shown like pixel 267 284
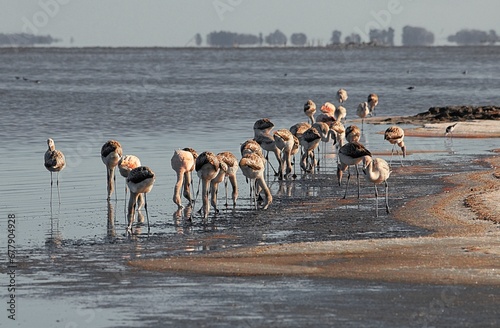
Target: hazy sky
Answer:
pixel 175 22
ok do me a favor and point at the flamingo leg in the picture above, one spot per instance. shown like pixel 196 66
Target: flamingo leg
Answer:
pixel 357 177
pixel 347 184
pixel 146 209
pixel 386 197
pixel 376 199
pixel 58 191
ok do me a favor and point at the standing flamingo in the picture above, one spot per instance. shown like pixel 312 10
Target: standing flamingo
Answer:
pixel 126 164
pixel 340 113
pixel 207 167
pixel 285 142
pixel 266 141
pixel 395 135
pixel 250 146
pixel 351 153
pixel 377 171
pixel 111 152
pixel 229 167
pixel 341 95
pixel 140 181
pixel 183 163
pixel 372 102
pixel 327 111
pixel 252 166
pixel 309 142
pixel 352 133
pixel 54 160
pixel 310 110
pixel 326 133
pixel 363 111
pixel 263 126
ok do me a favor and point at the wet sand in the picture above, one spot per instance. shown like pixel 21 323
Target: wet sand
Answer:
pixel 462 248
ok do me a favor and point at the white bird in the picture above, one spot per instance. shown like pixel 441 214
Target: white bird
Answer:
pixel 341 96
pixel 251 146
pixel 372 102
pixel 183 163
pixel 207 167
pixel 350 154
pixel 377 171
pixel 252 166
pixel 299 128
pixel 126 164
pixel 228 168
pixel 310 110
pixel 363 111
pixel 54 160
pixel 111 152
pixel 140 181
pixel 395 135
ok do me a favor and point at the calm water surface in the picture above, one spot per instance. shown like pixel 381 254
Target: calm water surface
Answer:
pixel 157 100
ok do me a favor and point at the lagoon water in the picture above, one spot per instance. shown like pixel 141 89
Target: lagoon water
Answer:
pixel 155 100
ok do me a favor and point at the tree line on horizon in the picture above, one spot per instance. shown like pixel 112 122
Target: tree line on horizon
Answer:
pixel 412 36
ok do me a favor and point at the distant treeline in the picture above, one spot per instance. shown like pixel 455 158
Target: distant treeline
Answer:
pixel 412 36
pixel 25 39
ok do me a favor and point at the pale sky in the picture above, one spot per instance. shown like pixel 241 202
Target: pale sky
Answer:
pixel 175 22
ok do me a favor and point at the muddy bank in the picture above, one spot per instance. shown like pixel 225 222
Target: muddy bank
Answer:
pixel 462 249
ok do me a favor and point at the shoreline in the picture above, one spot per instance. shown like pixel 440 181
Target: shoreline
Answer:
pixel 463 247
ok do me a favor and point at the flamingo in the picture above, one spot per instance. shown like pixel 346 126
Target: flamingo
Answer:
pixel 54 160
pixel 376 171
pixel 340 113
pixel 352 133
pixel 309 142
pixel 284 140
pixel 363 111
pixel 326 133
pixel 111 152
pixel 327 112
pixel 351 153
pixel 339 130
pixel 252 166
pixel 229 167
pixel 310 110
pixel 395 135
pixel 341 96
pixel 183 163
pixel 126 164
pixel 263 126
pixel 251 146
pixel 266 141
pixel 449 130
pixel 207 167
pixel 372 102
pixel 140 181
pixel 299 128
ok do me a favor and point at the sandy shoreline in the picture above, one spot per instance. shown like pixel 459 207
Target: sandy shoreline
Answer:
pixel 463 249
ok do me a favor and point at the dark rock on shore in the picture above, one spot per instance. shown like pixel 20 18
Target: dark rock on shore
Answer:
pixel 459 113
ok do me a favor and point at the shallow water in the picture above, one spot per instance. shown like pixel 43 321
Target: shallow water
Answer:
pixel 156 100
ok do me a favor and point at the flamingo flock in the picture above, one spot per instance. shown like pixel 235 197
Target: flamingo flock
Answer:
pixel 328 127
